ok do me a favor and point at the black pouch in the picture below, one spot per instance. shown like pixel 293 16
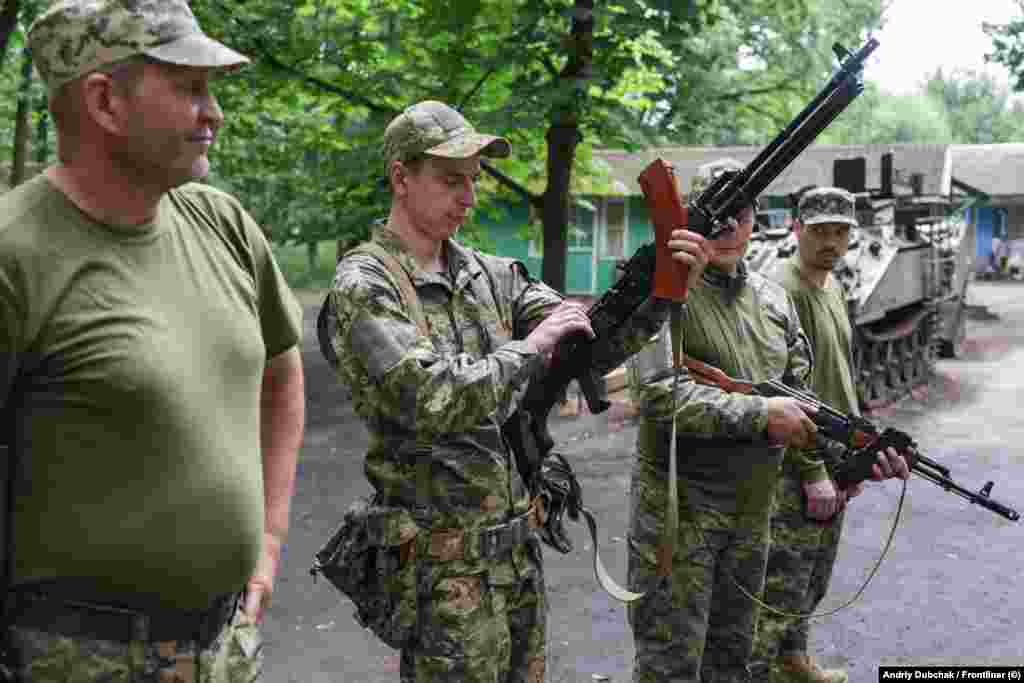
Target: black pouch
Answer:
pixel 371 560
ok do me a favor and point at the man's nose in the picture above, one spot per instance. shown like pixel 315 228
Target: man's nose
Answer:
pixel 210 112
pixel 468 194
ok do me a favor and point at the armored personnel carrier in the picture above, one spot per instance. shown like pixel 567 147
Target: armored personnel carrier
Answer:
pixel 905 276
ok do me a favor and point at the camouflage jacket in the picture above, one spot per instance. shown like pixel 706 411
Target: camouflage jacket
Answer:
pixel 445 397
pixel 747 326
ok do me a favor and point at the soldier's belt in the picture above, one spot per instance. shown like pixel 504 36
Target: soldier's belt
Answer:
pixel 487 543
pixel 83 618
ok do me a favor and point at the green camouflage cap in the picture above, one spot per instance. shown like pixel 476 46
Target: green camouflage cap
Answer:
pixel 434 128
pixel 76 37
pixel 828 205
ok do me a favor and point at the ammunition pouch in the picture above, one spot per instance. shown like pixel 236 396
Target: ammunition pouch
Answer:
pixel 371 560
pixel 558 486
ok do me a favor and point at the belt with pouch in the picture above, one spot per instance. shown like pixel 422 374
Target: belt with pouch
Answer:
pixel 52 610
pixel 486 543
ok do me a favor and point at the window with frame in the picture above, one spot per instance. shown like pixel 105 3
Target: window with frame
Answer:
pixel 580 235
pixel 614 245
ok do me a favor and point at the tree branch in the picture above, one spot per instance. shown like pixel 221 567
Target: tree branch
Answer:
pixel 8 20
pixel 479 84
pixel 755 91
pixel 319 83
pixel 533 199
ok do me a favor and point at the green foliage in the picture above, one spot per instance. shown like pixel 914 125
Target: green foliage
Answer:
pixel 960 108
pixel 1008 45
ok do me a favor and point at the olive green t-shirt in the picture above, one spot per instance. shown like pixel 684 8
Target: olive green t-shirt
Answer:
pixel 824 318
pixel 131 362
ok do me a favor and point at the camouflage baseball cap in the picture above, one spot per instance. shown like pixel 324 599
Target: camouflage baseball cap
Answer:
pixel 828 205
pixel 75 37
pixel 434 128
pixel 709 171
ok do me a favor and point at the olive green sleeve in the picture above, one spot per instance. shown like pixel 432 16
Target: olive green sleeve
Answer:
pixel 704 411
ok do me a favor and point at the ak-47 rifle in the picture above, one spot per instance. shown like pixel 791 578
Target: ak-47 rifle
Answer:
pixel 856 433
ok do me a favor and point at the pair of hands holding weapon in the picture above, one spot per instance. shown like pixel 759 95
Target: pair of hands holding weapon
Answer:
pixel 790 420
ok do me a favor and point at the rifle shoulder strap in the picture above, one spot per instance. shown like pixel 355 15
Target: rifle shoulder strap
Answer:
pixel 413 307
pixel 327 317
pixel 402 281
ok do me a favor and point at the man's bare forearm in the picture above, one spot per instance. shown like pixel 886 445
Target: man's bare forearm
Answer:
pixel 282 420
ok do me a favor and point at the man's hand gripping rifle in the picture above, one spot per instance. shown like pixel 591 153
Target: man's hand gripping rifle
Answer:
pixel 859 435
pixel 653 272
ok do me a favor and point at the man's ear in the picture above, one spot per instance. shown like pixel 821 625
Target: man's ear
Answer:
pixel 397 175
pixel 102 104
pixel 797 227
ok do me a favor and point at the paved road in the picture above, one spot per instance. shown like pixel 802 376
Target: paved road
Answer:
pixel 946 592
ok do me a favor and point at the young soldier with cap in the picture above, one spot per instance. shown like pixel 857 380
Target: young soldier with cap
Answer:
pixel 808 513
pixel 698 622
pixel 149 371
pixel 435 392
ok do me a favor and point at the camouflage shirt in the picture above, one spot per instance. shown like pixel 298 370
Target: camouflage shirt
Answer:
pixel 445 397
pixel 745 325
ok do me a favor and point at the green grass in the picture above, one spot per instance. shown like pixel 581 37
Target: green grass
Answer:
pixel 294 263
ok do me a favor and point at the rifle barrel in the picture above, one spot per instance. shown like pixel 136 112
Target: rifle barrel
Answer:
pixel 981 499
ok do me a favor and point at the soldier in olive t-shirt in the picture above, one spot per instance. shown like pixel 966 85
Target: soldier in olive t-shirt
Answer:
pixel 803 549
pixel 131 361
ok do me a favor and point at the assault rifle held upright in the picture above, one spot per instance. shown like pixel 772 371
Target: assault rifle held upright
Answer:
pixel 857 434
pixel 652 270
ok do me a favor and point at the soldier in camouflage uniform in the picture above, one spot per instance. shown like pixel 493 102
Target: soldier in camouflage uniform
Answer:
pixel 150 381
pixel 434 396
pixel 808 516
pixel 699 624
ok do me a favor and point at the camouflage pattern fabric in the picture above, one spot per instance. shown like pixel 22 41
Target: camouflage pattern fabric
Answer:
pixel 704 629
pixel 699 627
pixel 828 205
pixel 476 630
pixel 804 551
pixel 433 405
pixel 75 37
pixel 434 128
pixel 800 563
pixel 236 656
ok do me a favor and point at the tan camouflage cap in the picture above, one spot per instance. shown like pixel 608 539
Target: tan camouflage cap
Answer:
pixel 434 128
pixel 828 205
pixel 75 37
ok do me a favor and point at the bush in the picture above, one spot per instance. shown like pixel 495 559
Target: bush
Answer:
pixel 294 263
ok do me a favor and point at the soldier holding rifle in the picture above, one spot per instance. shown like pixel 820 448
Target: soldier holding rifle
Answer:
pixel 808 515
pixel 434 373
pixel 698 622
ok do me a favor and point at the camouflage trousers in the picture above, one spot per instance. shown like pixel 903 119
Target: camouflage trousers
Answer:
pixel 699 626
pixel 800 563
pixel 477 629
pixel 235 656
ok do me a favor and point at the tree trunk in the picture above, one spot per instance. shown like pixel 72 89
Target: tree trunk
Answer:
pixel 43 132
pixel 8 22
pixel 22 132
pixel 562 137
pixel 562 141
pixel 312 258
